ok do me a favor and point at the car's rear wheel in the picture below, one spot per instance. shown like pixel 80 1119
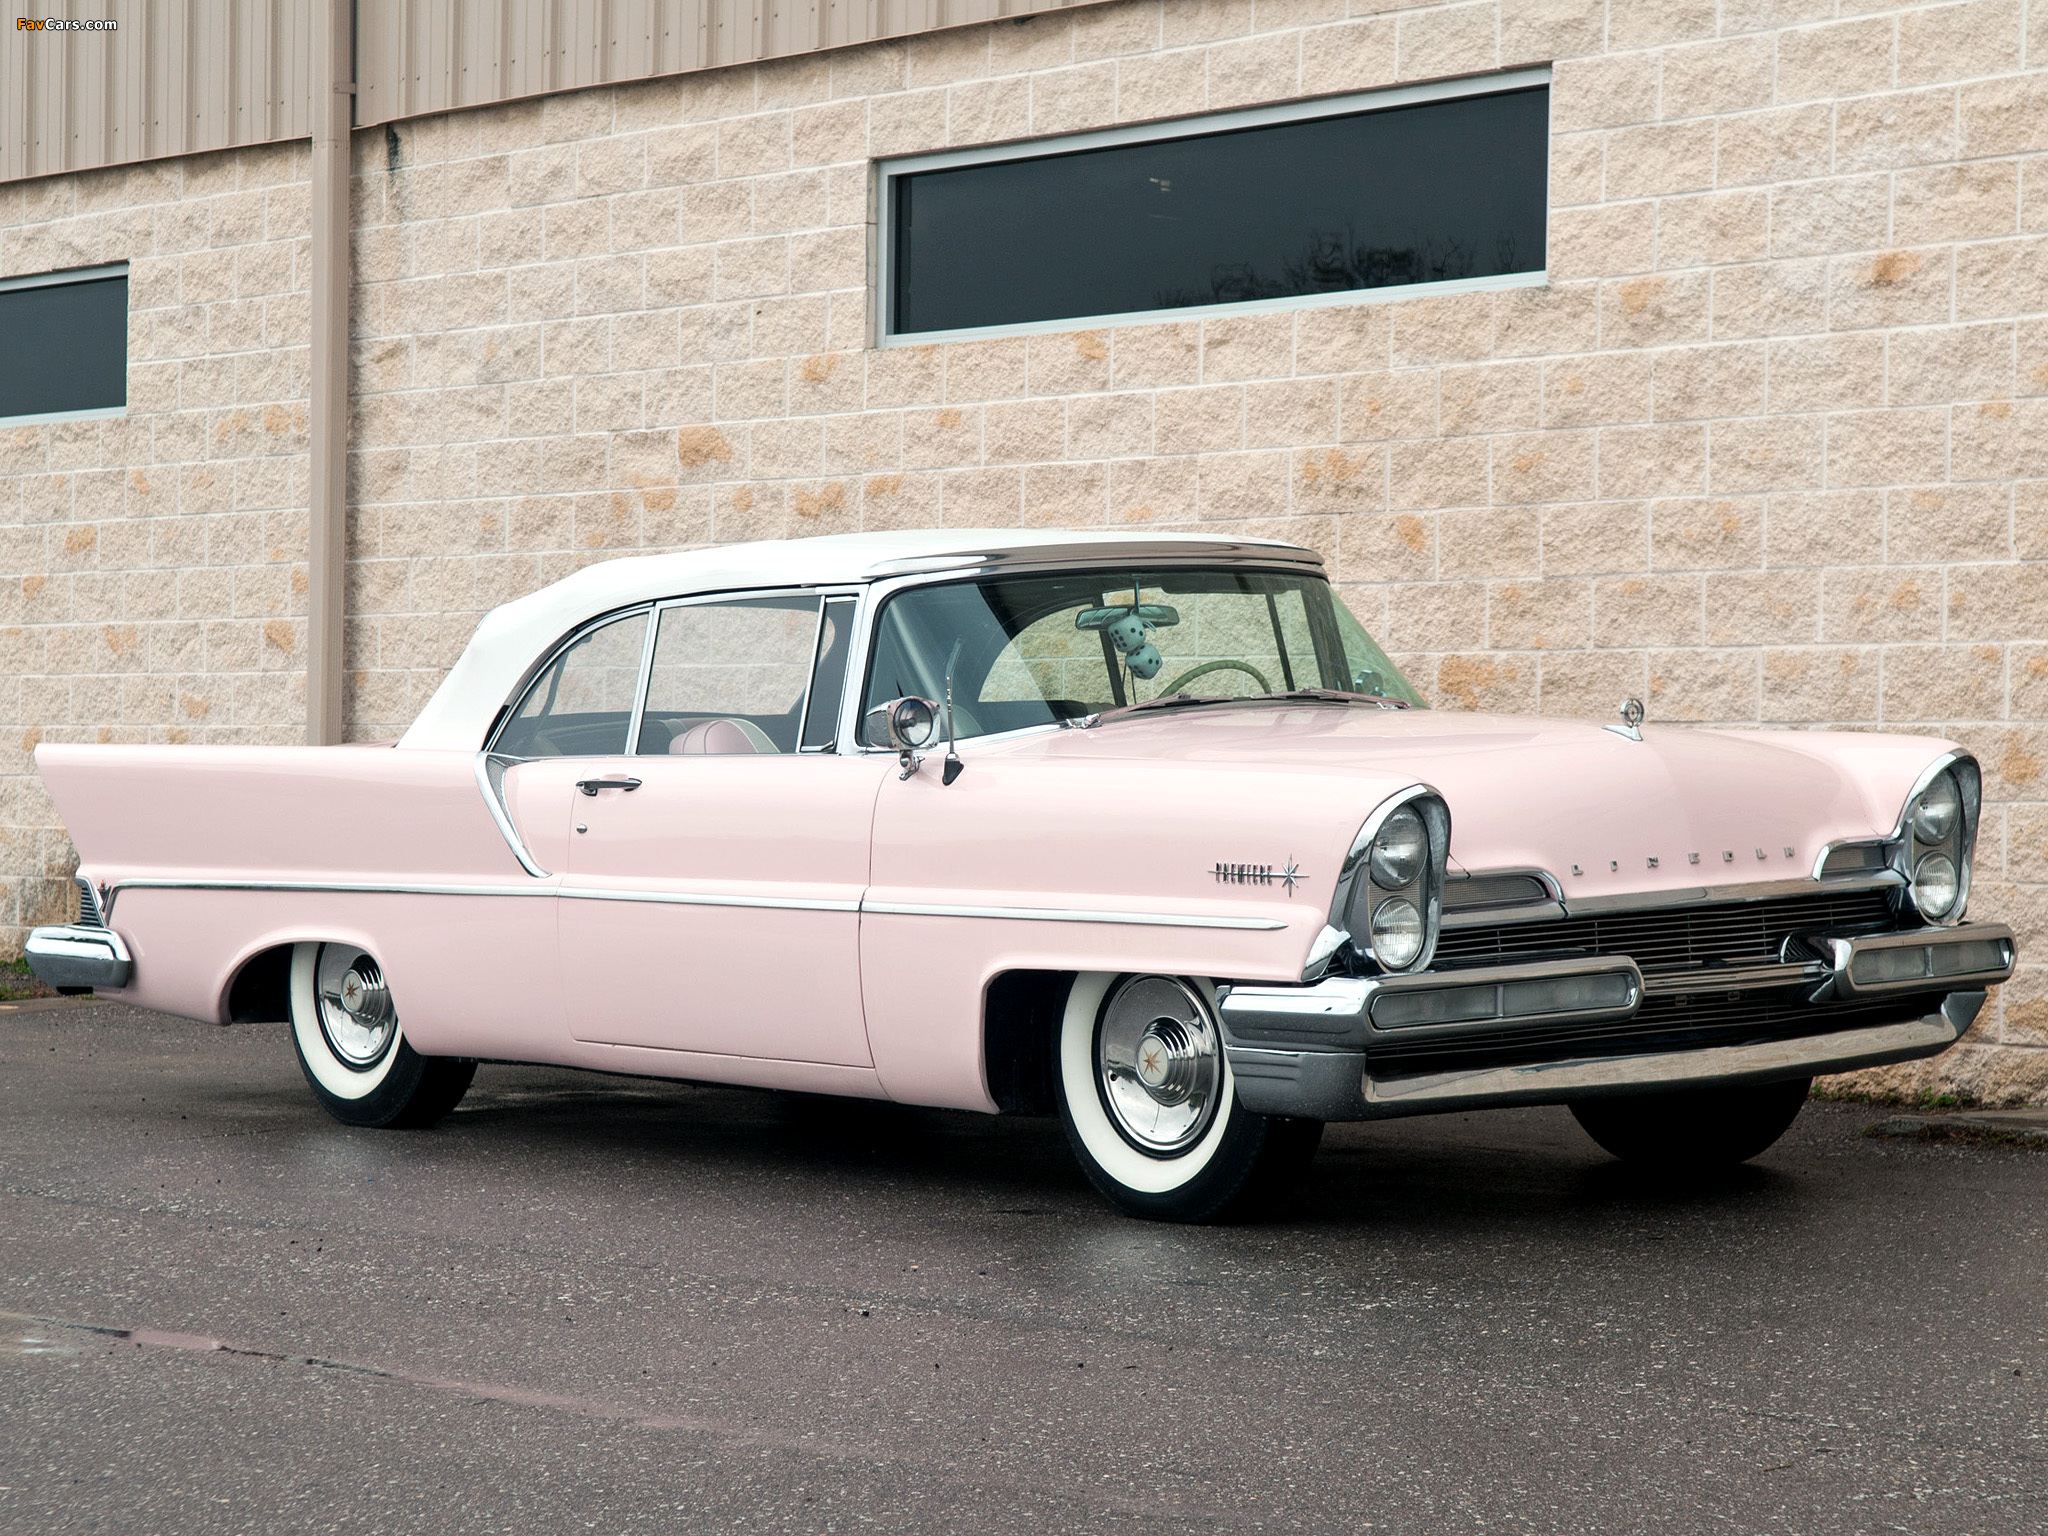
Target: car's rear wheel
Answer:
pixel 1150 1109
pixel 1697 1131
pixel 352 1047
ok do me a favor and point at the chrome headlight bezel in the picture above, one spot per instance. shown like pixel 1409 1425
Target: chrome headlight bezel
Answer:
pixel 1359 895
pixel 1953 773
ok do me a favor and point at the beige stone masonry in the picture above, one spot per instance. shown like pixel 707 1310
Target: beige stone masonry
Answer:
pixel 1769 448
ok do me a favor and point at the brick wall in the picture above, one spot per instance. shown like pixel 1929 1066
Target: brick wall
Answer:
pixel 1769 448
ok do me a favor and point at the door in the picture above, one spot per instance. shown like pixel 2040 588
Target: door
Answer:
pixel 711 900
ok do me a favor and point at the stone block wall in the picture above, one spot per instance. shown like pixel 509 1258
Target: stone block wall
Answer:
pixel 152 566
pixel 1768 448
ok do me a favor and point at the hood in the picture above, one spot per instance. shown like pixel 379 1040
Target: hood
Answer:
pixel 1683 807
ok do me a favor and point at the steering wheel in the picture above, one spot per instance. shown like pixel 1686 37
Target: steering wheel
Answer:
pixel 1214 666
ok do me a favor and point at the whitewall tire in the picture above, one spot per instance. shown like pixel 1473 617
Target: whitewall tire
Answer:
pixel 352 1047
pixel 1150 1108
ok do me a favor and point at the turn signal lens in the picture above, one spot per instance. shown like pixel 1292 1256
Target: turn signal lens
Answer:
pixel 1934 886
pixel 1396 934
pixel 1399 850
pixel 1934 814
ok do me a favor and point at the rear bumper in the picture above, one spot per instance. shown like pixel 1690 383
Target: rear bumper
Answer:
pixel 76 957
pixel 1309 1052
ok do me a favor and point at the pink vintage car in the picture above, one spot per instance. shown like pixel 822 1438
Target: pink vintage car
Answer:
pixel 1144 831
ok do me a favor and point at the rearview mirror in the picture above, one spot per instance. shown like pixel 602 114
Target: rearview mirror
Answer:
pixel 902 725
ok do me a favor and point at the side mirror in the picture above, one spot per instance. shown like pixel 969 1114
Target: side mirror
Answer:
pixel 905 725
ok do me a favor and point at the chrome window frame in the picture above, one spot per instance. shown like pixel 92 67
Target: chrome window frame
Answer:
pixel 653 609
pixel 509 710
pixel 888 170
pixel 740 595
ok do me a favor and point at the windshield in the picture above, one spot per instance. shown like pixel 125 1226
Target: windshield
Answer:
pixel 1032 650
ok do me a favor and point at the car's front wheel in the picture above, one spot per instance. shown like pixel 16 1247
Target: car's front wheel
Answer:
pixel 1696 1131
pixel 353 1050
pixel 1150 1109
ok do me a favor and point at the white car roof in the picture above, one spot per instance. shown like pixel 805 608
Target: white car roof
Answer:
pixel 510 639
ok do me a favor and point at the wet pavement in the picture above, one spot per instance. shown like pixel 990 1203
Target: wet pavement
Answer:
pixel 607 1304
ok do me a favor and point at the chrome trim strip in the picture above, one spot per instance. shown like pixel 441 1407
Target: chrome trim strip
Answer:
pixel 337 887
pixel 710 899
pixel 1746 978
pixel 433 888
pixel 1073 915
pixel 1555 1082
pixel 485 763
pixel 705 899
pixel 1762 890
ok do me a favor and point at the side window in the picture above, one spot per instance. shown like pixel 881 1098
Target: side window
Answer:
pixel 828 677
pixel 730 673
pixel 581 705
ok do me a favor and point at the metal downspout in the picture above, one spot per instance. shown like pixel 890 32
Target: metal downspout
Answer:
pixel 327 501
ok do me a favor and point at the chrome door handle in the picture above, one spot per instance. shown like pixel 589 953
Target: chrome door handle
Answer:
pixel 592 786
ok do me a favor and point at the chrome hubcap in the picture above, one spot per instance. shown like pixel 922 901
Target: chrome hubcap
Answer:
pixel 356 1015
pixel 1158 1064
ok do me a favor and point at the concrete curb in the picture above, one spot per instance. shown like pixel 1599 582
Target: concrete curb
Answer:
pixel 2005 1127
pixel 47 1004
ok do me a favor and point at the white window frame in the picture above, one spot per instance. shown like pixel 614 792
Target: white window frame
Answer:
pixel 63 280
pixel 881 207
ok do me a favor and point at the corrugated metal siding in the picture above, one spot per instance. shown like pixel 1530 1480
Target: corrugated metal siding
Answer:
pixel 176 77
pixel 185 75
pixel 419 56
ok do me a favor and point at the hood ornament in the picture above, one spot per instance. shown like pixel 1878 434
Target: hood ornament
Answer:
pixel 1631 720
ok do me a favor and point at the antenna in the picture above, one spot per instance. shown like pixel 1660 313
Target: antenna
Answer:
pixel 954 767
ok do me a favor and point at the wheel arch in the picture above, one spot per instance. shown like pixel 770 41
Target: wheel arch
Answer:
pixel 1020 1023
pixel 256 984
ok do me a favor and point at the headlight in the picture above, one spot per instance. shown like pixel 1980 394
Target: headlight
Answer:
pixel 1936 838
pixel 1935 886
pixel 1934 815
pixel 1400 850
pixel 1396 933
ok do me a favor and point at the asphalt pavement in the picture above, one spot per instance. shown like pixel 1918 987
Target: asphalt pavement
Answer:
pixel 588 1303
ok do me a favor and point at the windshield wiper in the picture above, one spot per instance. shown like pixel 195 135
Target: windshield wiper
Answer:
pixel 1290 696
pixel 1336 696
pixel 1178 701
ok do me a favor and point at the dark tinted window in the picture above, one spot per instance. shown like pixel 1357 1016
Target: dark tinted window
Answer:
pixel 1416 194
pixel 64 347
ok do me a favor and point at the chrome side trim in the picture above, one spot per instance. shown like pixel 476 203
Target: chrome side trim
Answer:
pixel 1558 1082
pixel 1073 915
pixel 78 956
pixel 704 899
pixel 338 887
pixel 490 777
pixel 432 888
pixel 710 899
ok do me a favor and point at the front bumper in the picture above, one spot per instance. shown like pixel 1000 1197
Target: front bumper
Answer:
pixel 1329 1051
pixel 77 957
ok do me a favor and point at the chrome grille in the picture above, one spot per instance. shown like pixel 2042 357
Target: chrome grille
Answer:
pixel 1673 938
pixel 89 914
